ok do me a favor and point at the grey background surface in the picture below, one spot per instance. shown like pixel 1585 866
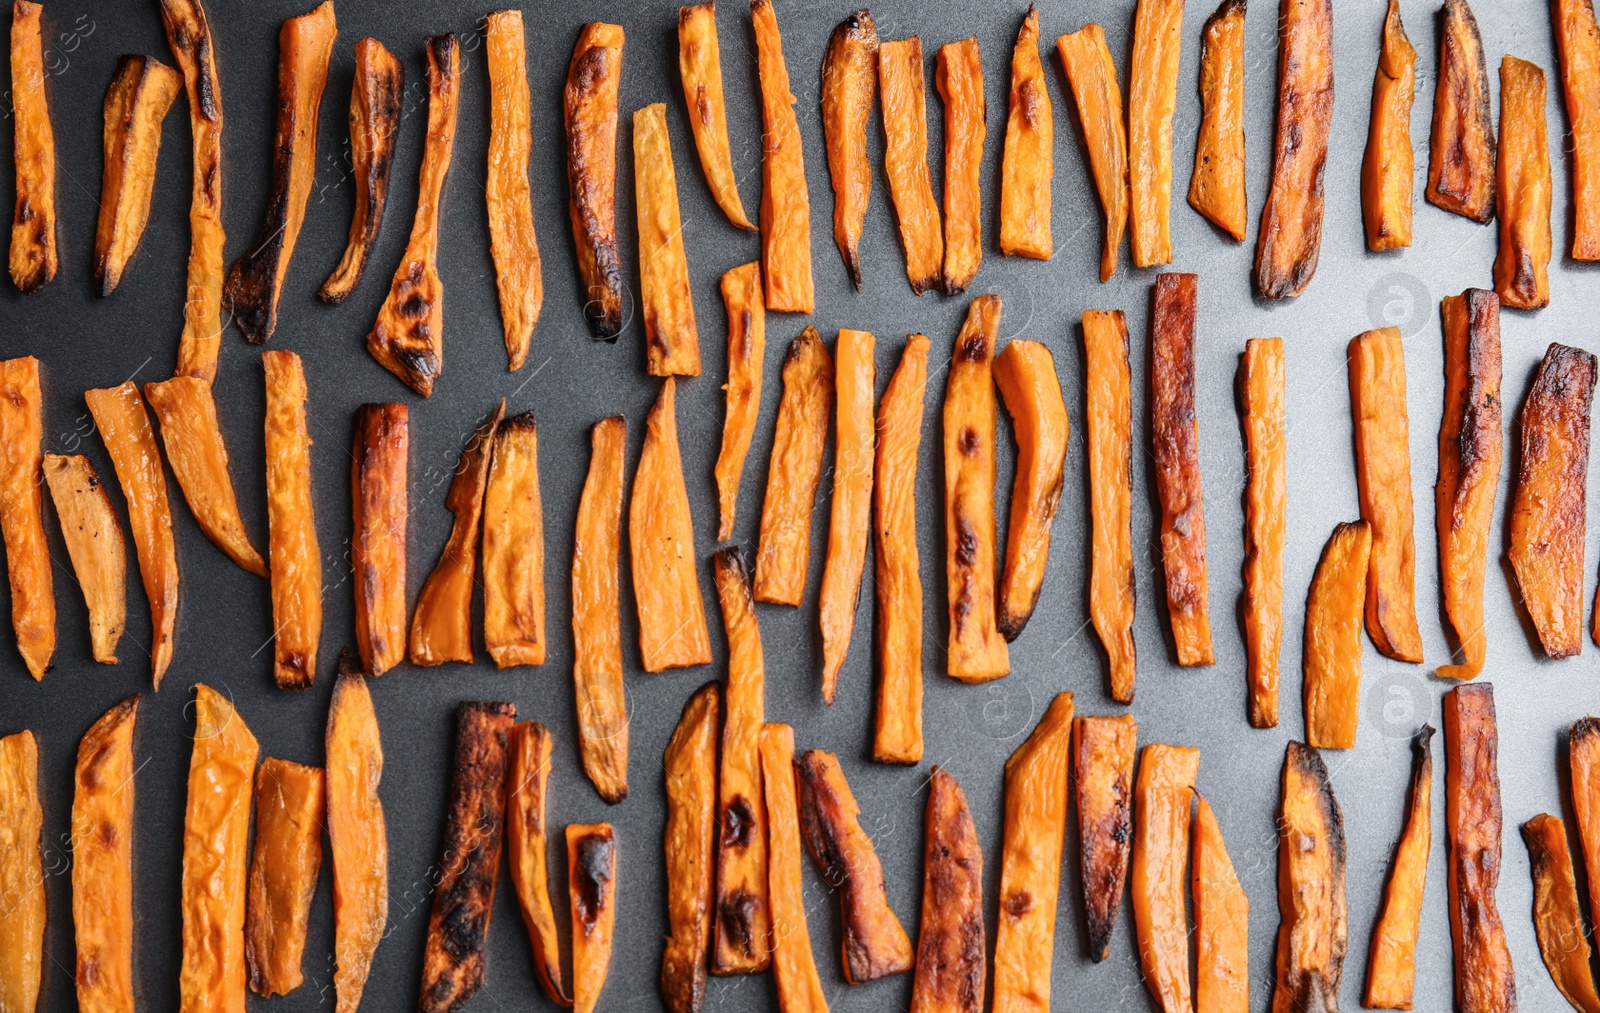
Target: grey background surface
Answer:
pixel 224 626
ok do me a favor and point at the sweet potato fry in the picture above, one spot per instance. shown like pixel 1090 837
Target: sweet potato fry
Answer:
pixel 666 580
pixel 1152 99
pixel 1026 165
pixel 512 240
pixel 1161 800
pixel 1461 159
pixel 33 603
pixel 358 840
pixel 102 861
pixel 1217 188
pixel 1547 509
pixel 1025 372
pixel 590 114
pixel 1391 961
pixel 1332 643
pixel 873 944
pixel 1108 422
pixel 1102 777
pixel 120 417
pixel 1030 861
pixel 785 204
pixel 597 615
pixel 1522 189
pixel 407 338
pixel 469 858
pixel 1313 924
pixel 855 379
pixel 1261 386
pixel 291 528
pixel 441 625
pixel 951 938
pixel 591 882
pixel 1387 167
pixel 216 831
pixel 793 966
pixel 690 835
pixel 250 295
pixel 849 77
pixel 747 355
pixel 1485 981
pixel 22 874
pixel 1092 74
pixel 375 101
pixel 378 512
pixel 905 161
pixel 1578 46
pixel 283 873
pixel 1583 747
pixel 527 777
pixel 513 547
pixel 33 227
pixel 672 344
pixel 783 552
pixel 93 535
pixel 742 934
pixel 1221 920
pixel 959 78
pixel 1290 238
pixel 1557 918
pixel 700 70
pixel 137 100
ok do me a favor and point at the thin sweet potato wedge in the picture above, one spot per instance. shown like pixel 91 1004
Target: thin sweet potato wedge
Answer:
pixel 378 511
pixel 1332 645
pixel 375 103
pixel 959 78
pixel 1387 167
pixel 1461 159
pixel 1583 746
pixel 291 527
pixel 855 382
pixel 1221 920
pixel 407 338
pixel 1545 541
pixel 747 355
pixel 141 91
pixel 469 858
pixel 590 113
pixel 1217 187
pixel 873 944
pixel 1102 776
pixel 1392 958
pixel 1557 918
pixel 793 966
pixel 512 240
pixel 1175 438
pixel 1030 861
pixel 216 831
pixel 527 841
pixel 592 885
pixel 1261 384
pixel 1485 981
pixel 666 579
pixel 1469 468
pixel 120 417
pixel 672 344
pixel 785 204
pixel 22 874
pixel 1578 46
pixel 849 77
pixel 283 873
pixel 102 861
pixel 33 603
pixel 1092 74
pixel 358 838
pixel 192 437
pixel 905 161
pixel 688 839
pixel 783 552
pixel 597 615
pixel 977 651
pixel 93 535
pixel 1025 372
pixel 250 295
pixel 1026 165
pixel 700 70
pixel 1161 799
pixel 743 932
pixel 1108 423
pixel 897 584
pixel 1313 925
pixel 1152 100
pixel 1522 188
pixel 951 937
pixel 34 257
pixel 513 547
pixel 441 624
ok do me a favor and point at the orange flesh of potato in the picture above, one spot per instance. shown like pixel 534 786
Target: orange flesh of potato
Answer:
pixel 666 579
pixel 375 106
pixel 1387 168
pixel 283 873
pixel 1391 963
pixel 33 603
pixel 513 547
pixel 951 938
pixel 291 527
pixel 690 834
pixel 1108 423
pixel 379 508
pixel 1092 74
pixel 1217 188
pixel 1522 267
pixel 1578 46
pixel 1333 638
pixel 141 91
pixel 1313 917
pixel 102 862
pixel 22 874
pixel 747 354
pixel 793 966
pixel 672 344
pixel 1152 99
pixel 512 241
pixel 1557 918
pixel 1026 165
pixel 783 551
pixel 1160 848
pixel 591 883
pixel 849 76
pixel 959 78
pixel 1221 921
pixel 785 204
pixel 1583 747
pixel 1025 372
pixel 590 114
pixel 1261 384
pixel 700 69
pixel 905 162
pixel 1461 159
pixel 33 227
pixel 358 840
pixel 855 381
pixel 527 841
pixel 597 616
pixel 1102 775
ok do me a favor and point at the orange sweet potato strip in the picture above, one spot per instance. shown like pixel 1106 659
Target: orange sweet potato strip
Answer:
pixel 141 91
pixel 291 526
pixel 512 240
pixel 905 161
pixel 1092 73
pixel 1391 961
pixel 33 227
pixel 700 69
pixel 793 966
pixel 1583 748
pixel 855 380
pixel 358 839
pixel 597 615
pixel 672 344
pixel 785 204
pixel 527 778
pixel 375 106
pixel 1313 917
pixel 747 354
pixel 849 76
pixel 283 873
pixel 1217 187
pixel 1557 918
pixel 33 603
pixel 688 839
pixel 1261 384
pixel 1461 159
pixel 959 78
pixel 93 535
pixel 1152 99
pixel 1160 848
pixel 1025 372
pixel 379 508
pixel 1522 267
pixel 102 861
pixel 951 938
pixel 592 884
pixel 22 874
pixel 1332 645
pixel 1387 168
pixel 1108 423
pixel 1102 778
pixel 783 552
pixel 513 547
pixel 666 580
pixel 1026 165
pixel 1578 46
pixel 590 111
pixel 1221 920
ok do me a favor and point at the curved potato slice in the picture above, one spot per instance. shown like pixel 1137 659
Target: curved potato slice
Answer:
pixel 959 78
pixel 700 69
pixel 905 161
pixel 1387 168
pixel 592 884
pixel 1027 164
pixel 33 226
pixel 1217 188
pixel 849 77
pixel 747 353
pixel 296 560
pixel 596 615
pixel 590 112
pixel 785 204
pixel 688 841
pixel 1025 372
pixel 512 241
pixel 102 861
pixel 141 91
pixel 375 102
pixel 855 380
pixel 22 874
pixel 527 837
pixel 33 602
pixel 1461 161
pixel 93 535
pixel 358 839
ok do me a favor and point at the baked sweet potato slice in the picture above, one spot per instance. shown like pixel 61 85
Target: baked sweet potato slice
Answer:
pixel 513 547
pixel 291 527
pixel 22 874
pixel 747 355
pixel 1313 925
pixel 793 966
pixel 527 843
pixel 250 295
pixel 358 838
pixel 1461 158
pixel 742 935
pixel 1102 777
pixel 1578 46
pixel 592 885
pixel 905 161
pixel 597 615
pixel 1108 423
pixel 1025 372
pixel 1546 521
pixel 216 832
pixel 783 551
pixel 1217 187
pixel 1583 747
pixel 469 858
pixel 590 113
pixel 379 508
pixel 672 344
pixel 785 204
pixel 700 70
pixel 666 579
pixel 33 225
pixel 951 938
pixel 33 603
pixel 513 243
pixel 1030 860
pixel 1392 957
pixel 1557 918
pixel 1026 163
pixel 897 584
pixel 1152 100
pixel 1484 977
pixel 1161 800
pixel 120 417
pixel 93 535
pixel 855 382
pixel 102 861
pixel 1221 920
pixel 1469 469
pixel 849 78
pixel 1261 385
pixel 375 105
pixel 688 841
pixel 1387 166
pixel 873 944
pixel 407 338
pixel 959 78
pixel 141 91
pixel 283 873
pixel 1523 189
pixel 1332 645
pixel 441 624
pixel 1092 74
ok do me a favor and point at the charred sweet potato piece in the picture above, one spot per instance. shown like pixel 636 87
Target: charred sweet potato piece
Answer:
pixel 1469 468
pixel 33 603
pixel 1583 747
pixel 1102 777
pixel 291 526
pixel 1026 164
pixel 1025 372
pixel 897 585
pixel 137 100
pixel 1461 158
pixel 1522 189
pixel 1333 637
pixel 688 839
pixel 793 966
pixel 512 240
pixel 1290 238
pixel 378 511
pixel 1217 188
pixel 855 380
pixel 1578 46
pixel 1152 99
pixel 469 858
pixel 592 885
pixel 747 354
pixel 1547 509
pixel 305 44
pixel 783 552
pixel 283 873
pixel 375 102
pixel 93 535
pixel 1557 918
pixel 873 944
pixel 22 874
pixel 672 344
pixel 1261 386
pixel 527 837
pixel 1161 800
pixel 785 204
pixel 102 861
pixel 513 547
pixel 590 113
pixel 1391 961
pixel 700 70
pixel 959 78
pixel 905 161
pixel 951 938
pixel 1313 924
pixel 407 338
pixel 1092 74
pixel 666 580
pixel 1387 167
pixel 358 839
pixel 849 77
pixel 33 227
pixel 1221 920
pixel 1485 980
pixel 1108 422
pixel 597 615
pixel 120 417
pixel 441 625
